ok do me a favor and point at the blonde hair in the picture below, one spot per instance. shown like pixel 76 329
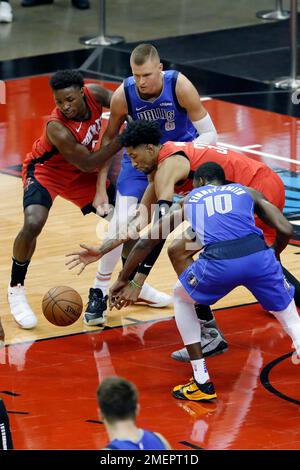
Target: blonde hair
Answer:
pixel 144 52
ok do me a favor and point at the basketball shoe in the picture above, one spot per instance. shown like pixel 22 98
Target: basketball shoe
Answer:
pixel 153 297
pixel 95 313
pixel 19 307
pixel 212 343
pixel 193 391
pixel 97 304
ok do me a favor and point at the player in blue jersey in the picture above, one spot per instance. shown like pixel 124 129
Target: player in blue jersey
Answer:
pixel 152 94
pixel 234 253
pixel 118 403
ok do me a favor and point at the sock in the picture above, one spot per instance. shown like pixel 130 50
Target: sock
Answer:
pixel 290 321
pixel 105 269
pixel 200 371
pixel 296 284
pixel 18 272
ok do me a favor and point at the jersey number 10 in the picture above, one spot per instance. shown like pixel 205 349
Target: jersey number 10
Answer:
pixel 221 203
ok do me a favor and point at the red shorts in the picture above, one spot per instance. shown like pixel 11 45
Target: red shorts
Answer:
pixel 272 187
pixel 43 183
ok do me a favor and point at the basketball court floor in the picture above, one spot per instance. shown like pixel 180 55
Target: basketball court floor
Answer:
pixel 49 375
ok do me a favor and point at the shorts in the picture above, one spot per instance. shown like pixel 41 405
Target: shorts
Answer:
pixel 42 185
pixel 209 280
pixel 131 182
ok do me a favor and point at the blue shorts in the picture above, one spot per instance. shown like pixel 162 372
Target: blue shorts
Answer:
pixel 209 280
pixel 131 182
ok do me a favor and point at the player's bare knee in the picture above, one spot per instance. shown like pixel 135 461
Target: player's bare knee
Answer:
pixel 33 226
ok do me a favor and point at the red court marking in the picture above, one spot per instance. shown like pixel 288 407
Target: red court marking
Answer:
pixel 58 379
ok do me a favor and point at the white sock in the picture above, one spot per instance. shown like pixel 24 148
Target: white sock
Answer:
pixel 189 328
pixel 200 371
pixel 290 321
pixel 105 269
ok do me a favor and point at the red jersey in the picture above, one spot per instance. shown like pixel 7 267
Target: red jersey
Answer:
pixel 237 167
pixel 85 132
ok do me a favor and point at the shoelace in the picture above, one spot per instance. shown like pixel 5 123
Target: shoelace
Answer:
pixel 205 332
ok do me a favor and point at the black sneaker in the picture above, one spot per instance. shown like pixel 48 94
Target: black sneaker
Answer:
pixel 96 308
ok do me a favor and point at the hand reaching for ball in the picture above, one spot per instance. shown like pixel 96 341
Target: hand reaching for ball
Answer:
pixel 88 255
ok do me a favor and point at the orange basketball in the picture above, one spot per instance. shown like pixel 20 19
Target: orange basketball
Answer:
pixel 62 306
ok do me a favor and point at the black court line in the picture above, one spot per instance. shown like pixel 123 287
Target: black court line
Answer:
pixel 264 378
pixel 18 412
pixel 119 326
pixel 192 446
pixel 93 421
pixel 13 394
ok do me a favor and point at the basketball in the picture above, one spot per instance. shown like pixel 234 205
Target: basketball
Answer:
pixel 62 306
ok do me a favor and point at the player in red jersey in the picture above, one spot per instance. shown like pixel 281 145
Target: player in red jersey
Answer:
pixel 63 162
pixel 170 168
pixel 237 168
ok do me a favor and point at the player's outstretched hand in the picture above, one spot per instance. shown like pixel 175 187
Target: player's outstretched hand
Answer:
pixel 88 255
pixel 121 296
pixel 114 291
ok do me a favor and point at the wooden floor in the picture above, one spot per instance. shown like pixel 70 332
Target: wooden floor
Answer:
pixel 65 229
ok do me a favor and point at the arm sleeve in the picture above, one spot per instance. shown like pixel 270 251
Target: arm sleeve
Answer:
pixel 206 130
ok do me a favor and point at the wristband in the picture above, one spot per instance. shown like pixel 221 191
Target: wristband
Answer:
pixel 135 284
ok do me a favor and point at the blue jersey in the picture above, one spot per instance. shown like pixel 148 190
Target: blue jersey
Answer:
pixel 174 121
pixel 221 213
pixel 148 441
pixel 235 252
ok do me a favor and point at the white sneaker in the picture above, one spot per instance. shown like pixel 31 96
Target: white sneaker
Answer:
pixel 6 14
pixel 153 298
pixel 19 307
